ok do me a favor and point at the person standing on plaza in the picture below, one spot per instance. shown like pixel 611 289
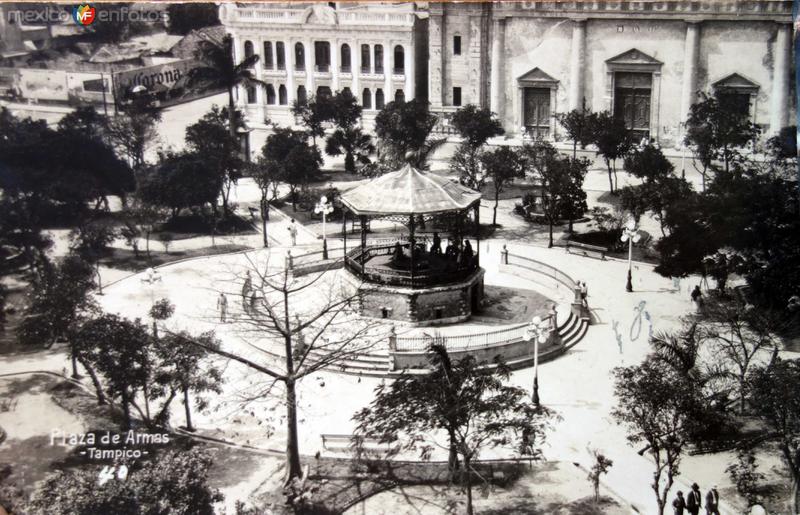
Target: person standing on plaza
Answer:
pixel 694 501
pixel 222 306
pixel 436 248
pixel 292 232
pixel 679 504
pixel 247 286
pixel 712 501
pixel 697 298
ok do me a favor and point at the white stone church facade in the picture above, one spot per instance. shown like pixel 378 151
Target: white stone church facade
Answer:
pixel 646 61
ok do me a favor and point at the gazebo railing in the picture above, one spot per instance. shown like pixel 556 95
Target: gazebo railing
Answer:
pixel 357 261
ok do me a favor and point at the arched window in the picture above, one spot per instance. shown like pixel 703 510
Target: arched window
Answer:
pixel 345 66
pixel 280 55
pixel 322 56
pixel 399 60
pixel 399 96
pixel 365 58
pixel 302 98
pixel 248 49
pixel 270 94
pixel 379 99
pixel 282 99
pixel 346 90
pixel 378 58
pixel 299 56
pixel 268 61
pixel 366 99
pixel 324 92
pixel 251 95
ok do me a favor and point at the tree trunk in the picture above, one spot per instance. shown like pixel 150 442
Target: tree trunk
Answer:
pixel 570 224
pixel 101 397
pixel 75 367
pixel 188 409
pixel 550 225
pixel 616 181
pixel 468 471
pixel 231 114
pixel 264 216
pixel 452 460
pixel 146 402
pixel 126 409
pixel 293 468
pixel 99 279
pixel 349 163
pixel 796 493
pixel 575 149
pixel 496 202
pixel 610 182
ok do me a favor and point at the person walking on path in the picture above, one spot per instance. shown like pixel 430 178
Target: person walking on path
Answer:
pixel 584 294
pixel 222 306
pixel 694 500
pixel 712 501
pixel 292 232
pixel 247 286
pixel 697 298
pixel 679 504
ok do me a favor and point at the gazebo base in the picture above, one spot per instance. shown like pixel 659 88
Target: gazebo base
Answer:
pixel 435 305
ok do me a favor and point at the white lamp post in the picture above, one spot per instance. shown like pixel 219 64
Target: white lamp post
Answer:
pixel 631 235
pixel 151 277
pixel 324 207
pixel 536 331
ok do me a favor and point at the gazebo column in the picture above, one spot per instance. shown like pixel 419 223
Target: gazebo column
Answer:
pixel 412 240
pixel 478 233
pixel 344 233
pixel 363 219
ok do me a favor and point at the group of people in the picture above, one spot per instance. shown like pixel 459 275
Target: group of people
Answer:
pixel 451 252
pixel 693 502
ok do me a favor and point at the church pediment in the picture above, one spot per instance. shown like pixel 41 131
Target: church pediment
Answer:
pixel 537 76
pixel 634 57
pixel 735 81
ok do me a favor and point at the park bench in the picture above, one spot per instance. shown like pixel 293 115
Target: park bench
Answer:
pixel 574 247
pixel 340 443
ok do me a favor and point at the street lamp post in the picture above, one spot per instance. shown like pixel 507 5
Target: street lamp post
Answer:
pixel 535 331
pixel 630 234
pixel 325 208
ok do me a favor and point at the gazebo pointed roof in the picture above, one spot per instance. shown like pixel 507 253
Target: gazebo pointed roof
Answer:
pixel 409 191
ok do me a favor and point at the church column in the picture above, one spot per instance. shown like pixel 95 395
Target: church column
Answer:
pixel 309 55
pixel 690 56
pixel 409 62
pixel 334 46
pixel 497 96
pixel 577 64
pixel 780 104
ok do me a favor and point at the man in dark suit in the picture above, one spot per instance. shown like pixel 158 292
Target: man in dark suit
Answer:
pixel 694 500
pixel 712 501
pixel 679 504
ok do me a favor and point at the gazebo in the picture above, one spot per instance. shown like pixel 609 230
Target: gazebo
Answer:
pixel 431 274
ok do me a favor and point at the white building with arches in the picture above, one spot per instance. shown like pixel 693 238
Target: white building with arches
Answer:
pixel 376 51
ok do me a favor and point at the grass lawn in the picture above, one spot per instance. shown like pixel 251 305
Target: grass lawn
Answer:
pixel 125 259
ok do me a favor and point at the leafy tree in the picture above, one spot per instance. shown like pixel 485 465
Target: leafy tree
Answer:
pixel 90 242
pixel 403 128
pixel 649 164
pixel 21 228
pixel 716 130
pixel 775 398
pixel 475 125
pixel 267 176
pixel 502 165
pixel 552 173
pixel 176 483
pixel 600 466
pixel 299 163
pixel 140 219
pixel 135 130
pixel 313 114
pixel 354 144
pixel 613 141
pixel 469 402
pixel 211 141
pixel 186 371
pixel 636 199
pixel 782 150
pixel 57 304
pixel 179 181
pixel 346 111
pixel 118 349
pixel 219 70
pixel 580 126
pixel 658 408
pixel 745 475
pixel 184 18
